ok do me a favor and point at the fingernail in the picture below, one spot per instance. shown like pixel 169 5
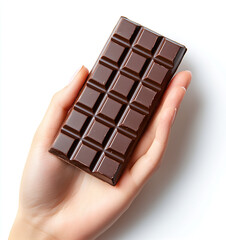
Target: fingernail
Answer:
pixel 174 115
pixel 184 89
pixel 75 73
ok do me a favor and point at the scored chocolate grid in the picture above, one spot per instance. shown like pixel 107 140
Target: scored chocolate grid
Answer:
pixel 106 168
pixel 94 115
pixel 135 90
pixel 152 58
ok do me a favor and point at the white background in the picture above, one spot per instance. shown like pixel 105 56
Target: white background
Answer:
pixel 43 42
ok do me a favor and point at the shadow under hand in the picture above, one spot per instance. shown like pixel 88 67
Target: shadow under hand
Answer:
pixel 155 189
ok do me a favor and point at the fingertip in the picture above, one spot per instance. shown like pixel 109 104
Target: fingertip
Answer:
pixel 182 79
pixel 80 73
pixel 185 73
pixel 188 77
pixel 85 69
pixel 189 73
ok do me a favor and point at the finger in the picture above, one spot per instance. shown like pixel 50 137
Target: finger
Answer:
pixel 181 80
pixel 58 109
pixel 145 165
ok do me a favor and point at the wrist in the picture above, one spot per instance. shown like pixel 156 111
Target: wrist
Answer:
pixel 23 229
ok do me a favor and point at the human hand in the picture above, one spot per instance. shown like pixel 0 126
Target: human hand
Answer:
pixel 58 201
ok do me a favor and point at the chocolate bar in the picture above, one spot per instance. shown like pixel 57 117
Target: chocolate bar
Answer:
pixel 120 96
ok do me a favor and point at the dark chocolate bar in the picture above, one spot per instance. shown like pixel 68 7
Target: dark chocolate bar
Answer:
pixel 119 98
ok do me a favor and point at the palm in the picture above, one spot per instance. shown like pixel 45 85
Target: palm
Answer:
pixel 63 197
pixel 67 194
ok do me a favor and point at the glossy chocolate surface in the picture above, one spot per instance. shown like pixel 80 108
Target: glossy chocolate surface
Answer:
pixel 119 98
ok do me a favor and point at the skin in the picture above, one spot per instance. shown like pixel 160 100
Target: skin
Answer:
pixel 58 201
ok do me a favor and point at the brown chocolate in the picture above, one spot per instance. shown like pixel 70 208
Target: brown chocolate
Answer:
pixel 119 98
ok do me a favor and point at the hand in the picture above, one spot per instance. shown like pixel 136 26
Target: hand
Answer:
pixel 58 201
